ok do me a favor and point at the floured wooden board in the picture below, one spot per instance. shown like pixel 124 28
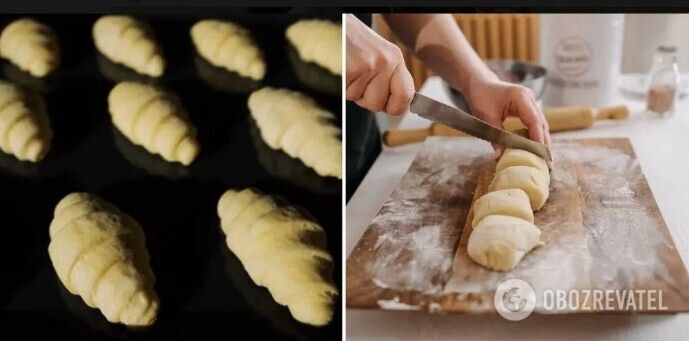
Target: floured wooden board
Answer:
pixel 601 225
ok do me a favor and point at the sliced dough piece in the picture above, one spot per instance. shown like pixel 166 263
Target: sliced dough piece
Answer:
pixel 293 122
pixel 99 253
pixel 518 157
pixel 154 119
pixel 499 242
pixel 30 45
pixel 24 125
pixel 529 179
pixel 127 41
pixel 230 46
pixel 318 41
pixel 512 202
pixel 282 250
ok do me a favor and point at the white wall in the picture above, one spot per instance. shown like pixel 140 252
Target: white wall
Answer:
pixel 644 32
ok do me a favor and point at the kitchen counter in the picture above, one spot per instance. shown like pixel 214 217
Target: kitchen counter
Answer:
pixel 660 145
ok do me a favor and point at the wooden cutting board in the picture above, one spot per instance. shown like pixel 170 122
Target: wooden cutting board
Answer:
pixel 601 226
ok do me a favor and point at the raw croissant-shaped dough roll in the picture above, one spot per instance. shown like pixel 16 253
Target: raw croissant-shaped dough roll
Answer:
pixel 128 41
pixel 24 126
pixel 99 253
pixel 499 242
pixel 229 46
pixel 30 45
pixel 281 250
pixel 318 41
pixel 154 119
pixel 293 122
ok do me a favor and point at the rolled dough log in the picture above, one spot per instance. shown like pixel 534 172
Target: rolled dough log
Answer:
pixel 318 41
pixel 292 121
pixel 530 179
pixel 282 250
pixel 130 42
pixel 518 157
pixel 512 202
pixel 99 253
pixel 155 120
pixel 230 46
pixel 499 242
pixel 24 125
pixel 30 45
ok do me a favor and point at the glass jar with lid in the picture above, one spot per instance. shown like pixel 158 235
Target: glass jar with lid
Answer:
pixel 663 81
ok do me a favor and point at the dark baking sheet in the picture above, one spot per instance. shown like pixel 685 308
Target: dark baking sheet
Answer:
pixel 203 288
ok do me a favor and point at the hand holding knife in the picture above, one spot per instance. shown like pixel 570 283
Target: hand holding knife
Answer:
pixel 462 121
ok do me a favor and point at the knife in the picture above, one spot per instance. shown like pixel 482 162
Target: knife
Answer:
pixel 462 121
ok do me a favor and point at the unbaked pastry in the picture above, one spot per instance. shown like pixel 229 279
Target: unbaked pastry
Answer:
pixel 154 119
pixel 318 41
pixel 282 250
pixel 531 180
pixel 24 125
pixel 30 45
pixel 99 253
pixel 230 46
pixel 512 202
pixel 130 42
pixel 519 157
pixel 293 122
pixel 499 242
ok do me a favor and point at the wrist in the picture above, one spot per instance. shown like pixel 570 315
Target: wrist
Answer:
pixel 477 81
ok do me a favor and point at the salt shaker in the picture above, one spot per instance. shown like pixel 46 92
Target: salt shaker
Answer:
pixel 663 81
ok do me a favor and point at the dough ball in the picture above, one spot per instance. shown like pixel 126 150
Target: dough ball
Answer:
pixel 499 242
pixel 529 179
pixel 518 157
pixel 512 202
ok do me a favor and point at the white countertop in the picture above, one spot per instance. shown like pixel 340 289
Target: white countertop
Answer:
pixel 661 145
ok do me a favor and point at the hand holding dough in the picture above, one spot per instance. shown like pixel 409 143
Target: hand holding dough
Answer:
pixel 154 119
pixel 99 253
pixel 499 242
pixel 128 41
pixel 230 46
pixel 293 122
pixel 529 179
pixel 281 250
pixel 318 41
pixel 24 126
pixel 30 45
pixel 512 202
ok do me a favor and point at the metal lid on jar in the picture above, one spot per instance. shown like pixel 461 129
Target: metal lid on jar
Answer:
pixel 667 48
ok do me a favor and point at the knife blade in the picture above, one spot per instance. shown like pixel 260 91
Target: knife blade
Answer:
pixel 462 121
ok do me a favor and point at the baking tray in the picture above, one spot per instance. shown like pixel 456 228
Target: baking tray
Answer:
pixel 203 287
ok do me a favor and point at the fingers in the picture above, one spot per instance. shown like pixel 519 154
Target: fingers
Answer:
pixel 401 91
pixel 377 92
pixel 525 108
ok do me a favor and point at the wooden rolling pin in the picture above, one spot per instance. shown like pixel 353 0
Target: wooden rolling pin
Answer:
pixel 559 119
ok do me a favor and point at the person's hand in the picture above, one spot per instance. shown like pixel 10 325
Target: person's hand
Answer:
pixel 493 100
pixel 377 78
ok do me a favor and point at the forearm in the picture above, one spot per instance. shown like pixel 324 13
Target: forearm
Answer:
pixel 439 43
